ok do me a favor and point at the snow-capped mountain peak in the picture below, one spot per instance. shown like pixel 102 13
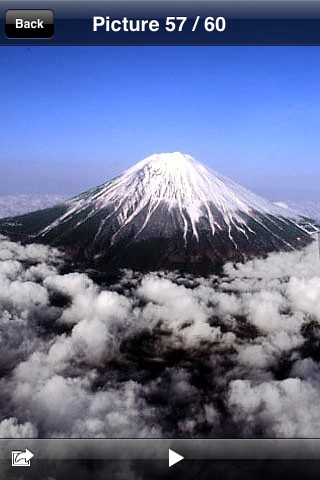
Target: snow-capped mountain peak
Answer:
pixel 167 211
pixel 181 183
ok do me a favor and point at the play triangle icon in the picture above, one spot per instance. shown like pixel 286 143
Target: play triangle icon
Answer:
pixel 174 457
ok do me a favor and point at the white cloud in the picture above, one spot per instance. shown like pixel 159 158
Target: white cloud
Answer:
pixel 159 354
pixel 11 205
pixel 284 409
pixel 304 295
pixel 9 428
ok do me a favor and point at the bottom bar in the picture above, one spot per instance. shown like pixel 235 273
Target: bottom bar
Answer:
pixel 158 449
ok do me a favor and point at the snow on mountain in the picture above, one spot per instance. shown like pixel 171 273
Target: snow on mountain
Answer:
pixel 181 183
pixel 167 211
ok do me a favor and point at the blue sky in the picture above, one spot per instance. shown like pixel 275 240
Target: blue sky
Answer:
pixel 73 117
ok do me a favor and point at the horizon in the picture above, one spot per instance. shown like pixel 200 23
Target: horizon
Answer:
pixel 12 205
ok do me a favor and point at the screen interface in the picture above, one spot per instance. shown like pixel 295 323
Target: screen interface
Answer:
pixel 159 239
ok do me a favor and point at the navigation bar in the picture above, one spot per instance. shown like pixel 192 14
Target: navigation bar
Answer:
pixel 154 22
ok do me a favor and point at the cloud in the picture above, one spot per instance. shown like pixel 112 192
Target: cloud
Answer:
pixel 159 354
pixel 282 409
pixel 11 205
pixel 310 209
pixel 9 428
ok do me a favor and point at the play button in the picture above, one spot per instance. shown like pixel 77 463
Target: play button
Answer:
pixel 174 457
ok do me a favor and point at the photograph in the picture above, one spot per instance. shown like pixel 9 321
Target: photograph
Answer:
pixel 159 242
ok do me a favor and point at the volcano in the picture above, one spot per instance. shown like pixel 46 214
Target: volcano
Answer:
pixel 166 212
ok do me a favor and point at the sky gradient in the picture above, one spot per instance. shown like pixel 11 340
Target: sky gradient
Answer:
pixel 74 117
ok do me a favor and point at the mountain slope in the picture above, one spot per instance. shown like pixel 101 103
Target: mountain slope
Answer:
pixel 167 211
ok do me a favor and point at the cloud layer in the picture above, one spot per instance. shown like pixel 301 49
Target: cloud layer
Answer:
pixel 159 354
pixel 11 205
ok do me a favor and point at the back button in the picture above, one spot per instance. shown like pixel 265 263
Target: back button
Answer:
pixel 29 24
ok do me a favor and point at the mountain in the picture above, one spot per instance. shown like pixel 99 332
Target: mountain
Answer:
pixel 167 211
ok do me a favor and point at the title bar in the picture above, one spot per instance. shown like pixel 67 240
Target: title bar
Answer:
pixel 163 22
